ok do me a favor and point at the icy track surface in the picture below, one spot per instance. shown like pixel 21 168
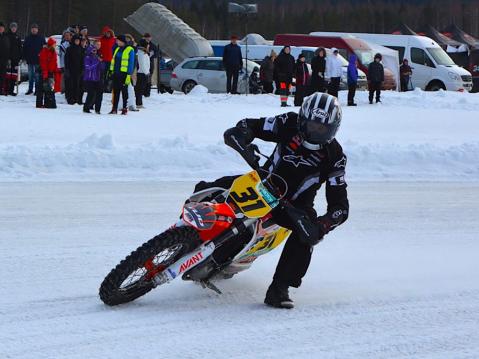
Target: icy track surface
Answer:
pixel 399 280
pixel 410 136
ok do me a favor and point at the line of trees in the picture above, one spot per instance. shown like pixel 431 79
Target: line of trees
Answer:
pixel 210 17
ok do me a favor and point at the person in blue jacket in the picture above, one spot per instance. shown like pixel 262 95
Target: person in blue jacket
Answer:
pixel 233 63
pixel 32 46
pixel 122 67
pixel 352 79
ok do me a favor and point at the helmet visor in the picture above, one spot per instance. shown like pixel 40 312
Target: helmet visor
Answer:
pixel 318 133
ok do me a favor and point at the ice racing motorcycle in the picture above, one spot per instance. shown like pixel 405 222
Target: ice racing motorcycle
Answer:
pixel 221 232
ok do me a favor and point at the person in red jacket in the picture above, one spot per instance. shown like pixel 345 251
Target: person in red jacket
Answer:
pixel 48 70
pixel 107 41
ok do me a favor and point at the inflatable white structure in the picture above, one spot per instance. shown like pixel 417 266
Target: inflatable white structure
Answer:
pixel 173 36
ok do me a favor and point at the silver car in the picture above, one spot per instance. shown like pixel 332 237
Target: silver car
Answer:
pixel 209 72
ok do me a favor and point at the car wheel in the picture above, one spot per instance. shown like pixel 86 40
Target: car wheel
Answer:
pixel 188 86
pixel 435 86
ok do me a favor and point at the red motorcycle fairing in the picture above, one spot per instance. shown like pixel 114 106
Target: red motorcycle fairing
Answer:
pixel 210 219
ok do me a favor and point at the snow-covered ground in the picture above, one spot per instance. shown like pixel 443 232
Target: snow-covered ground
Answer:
pixel 78 192
pixel 399 280
pixel 413 136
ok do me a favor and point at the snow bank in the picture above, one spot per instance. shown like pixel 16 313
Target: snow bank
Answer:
pixel 412 136
pixel 198 90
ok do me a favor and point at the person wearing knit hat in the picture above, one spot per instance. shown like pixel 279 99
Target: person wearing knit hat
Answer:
pixel 143 71
pixel 74 57
pixel 15 57
pixel 121 67
pixel 4 58
pixel 48 69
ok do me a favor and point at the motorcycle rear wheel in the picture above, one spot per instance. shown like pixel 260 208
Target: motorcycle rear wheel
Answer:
pixel 131 278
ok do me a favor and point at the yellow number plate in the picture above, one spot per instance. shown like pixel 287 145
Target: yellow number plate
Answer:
pixel 245 194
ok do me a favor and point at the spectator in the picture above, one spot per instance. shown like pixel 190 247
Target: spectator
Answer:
pixel 267 72
pixel 106 52
pixel 375 78
pixel 405 72
pixel 352 79
pixel 334 70
pixel 318 68
pixel 143 71
pixel 32 46
pixel 130 41
pixel 4 58
pixel 84 36
pixel 233 63
pixel 93 78
pixel 122 65
pixel 283 73
pixel 154 54
pixel 73 71
pixel 62 50
pixel 15 57
pixel 48 69
pixel 301 73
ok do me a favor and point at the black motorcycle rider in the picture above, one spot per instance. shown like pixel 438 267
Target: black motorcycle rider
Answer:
pixel 307 155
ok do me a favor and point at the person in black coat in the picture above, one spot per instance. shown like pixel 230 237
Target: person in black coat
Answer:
pixel 375 78
pixel 301 73
pixel 318 68
pixel 32 46
pixel 266 72
pixel 15 54
pixel 4 57
pixel 283 70
pixel 233 63
pixel 74 57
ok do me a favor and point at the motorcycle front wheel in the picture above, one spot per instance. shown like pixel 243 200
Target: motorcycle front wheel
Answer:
pixel 132 277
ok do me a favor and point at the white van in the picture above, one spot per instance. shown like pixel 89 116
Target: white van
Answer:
pixel 432 68
pixel 257 53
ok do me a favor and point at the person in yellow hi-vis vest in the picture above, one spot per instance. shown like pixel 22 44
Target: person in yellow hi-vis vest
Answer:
pixel 121 68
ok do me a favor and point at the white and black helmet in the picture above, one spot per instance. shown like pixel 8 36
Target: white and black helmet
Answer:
pixel 319 120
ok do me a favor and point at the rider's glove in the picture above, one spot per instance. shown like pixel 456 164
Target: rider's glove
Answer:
pixel 235 138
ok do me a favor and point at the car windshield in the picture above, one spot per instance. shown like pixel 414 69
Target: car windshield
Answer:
pixel 365 57
pixel 440 56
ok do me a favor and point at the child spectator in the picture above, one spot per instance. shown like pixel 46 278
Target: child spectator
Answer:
pixel 48 69
pixel 92 79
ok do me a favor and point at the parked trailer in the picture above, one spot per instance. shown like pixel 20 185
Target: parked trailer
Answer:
pixel 346 47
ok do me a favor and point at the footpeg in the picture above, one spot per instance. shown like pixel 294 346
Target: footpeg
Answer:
pixel 209 285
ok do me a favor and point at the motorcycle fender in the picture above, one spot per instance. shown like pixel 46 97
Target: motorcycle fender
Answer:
pixel 185 263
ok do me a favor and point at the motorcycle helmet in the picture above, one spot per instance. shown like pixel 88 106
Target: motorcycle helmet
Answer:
pixel 319 120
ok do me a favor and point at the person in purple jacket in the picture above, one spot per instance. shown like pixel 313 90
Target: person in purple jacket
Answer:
pixel 352 79
pixel 92 78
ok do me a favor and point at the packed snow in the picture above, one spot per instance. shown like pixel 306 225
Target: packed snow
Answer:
pixel 410 136
pixel 398 280
pixel 78 192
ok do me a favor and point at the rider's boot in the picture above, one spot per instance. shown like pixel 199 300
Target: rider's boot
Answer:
pixel 278 296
